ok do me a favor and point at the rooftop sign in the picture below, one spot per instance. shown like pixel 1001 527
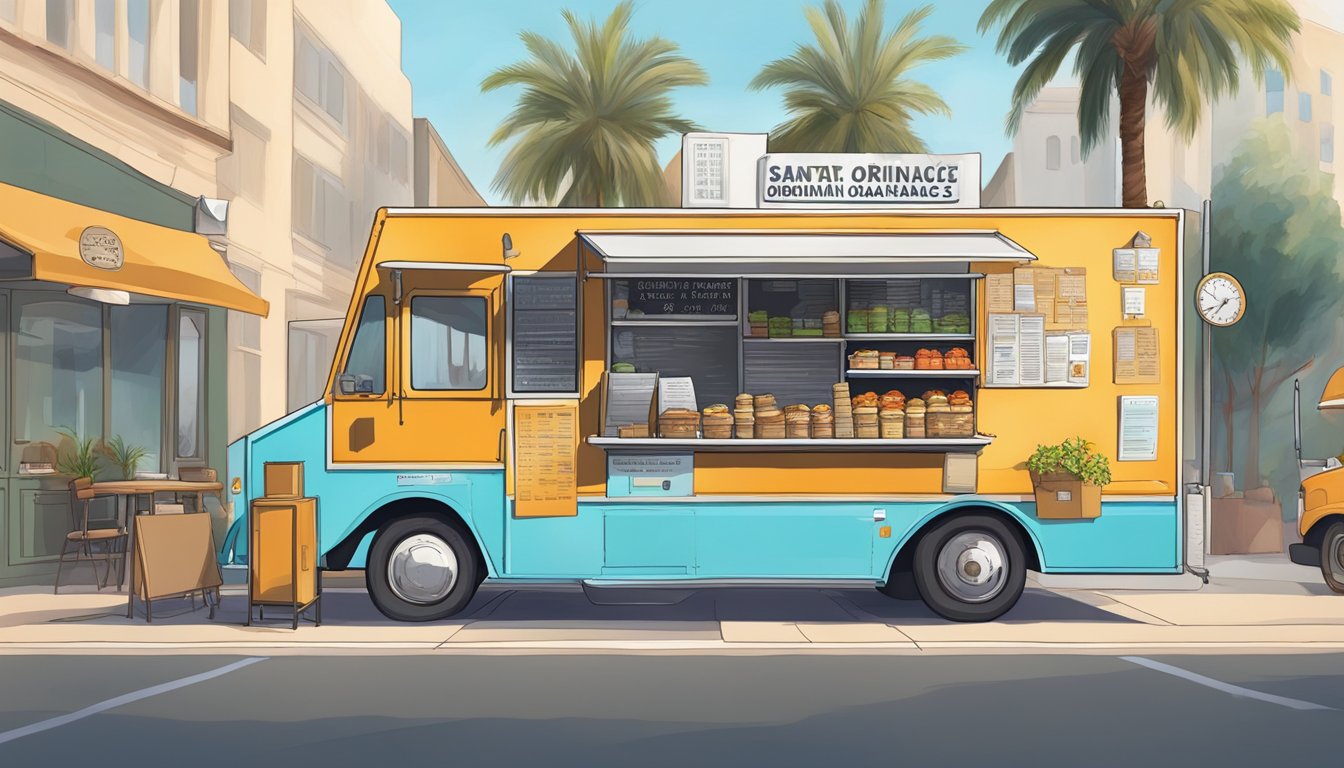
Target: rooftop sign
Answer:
pixel 857 181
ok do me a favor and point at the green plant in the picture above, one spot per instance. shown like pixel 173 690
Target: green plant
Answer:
pixel 1074 457
pixel 82 459
pixel 126 456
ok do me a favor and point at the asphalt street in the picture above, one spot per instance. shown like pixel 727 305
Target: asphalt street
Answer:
pixel 662 710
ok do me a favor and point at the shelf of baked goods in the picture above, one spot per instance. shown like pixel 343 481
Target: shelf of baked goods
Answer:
pixel 969 373
pixel 906 445
pixel 937 422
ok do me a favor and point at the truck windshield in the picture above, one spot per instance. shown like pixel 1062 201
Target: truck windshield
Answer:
pixel 367 361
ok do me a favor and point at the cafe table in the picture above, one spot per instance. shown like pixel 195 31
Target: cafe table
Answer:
pixel 151 487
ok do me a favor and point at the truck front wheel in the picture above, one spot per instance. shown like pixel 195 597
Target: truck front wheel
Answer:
pixel 421 569
pixel 1332 557
pixel 970 568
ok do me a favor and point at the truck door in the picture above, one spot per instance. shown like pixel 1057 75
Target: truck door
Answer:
pixel 442 403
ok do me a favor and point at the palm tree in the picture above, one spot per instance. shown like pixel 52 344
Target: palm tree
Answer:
pixel 586 121
pixel 851 92
pixel 1187 51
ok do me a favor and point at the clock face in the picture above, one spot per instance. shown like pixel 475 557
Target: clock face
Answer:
pixel 1220 300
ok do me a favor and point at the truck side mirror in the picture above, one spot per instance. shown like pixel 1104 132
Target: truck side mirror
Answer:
pixel 346 383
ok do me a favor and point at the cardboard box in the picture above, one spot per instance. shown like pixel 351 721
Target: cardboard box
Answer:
pixel 1245 527
pixel 1061 496
pixel 283 480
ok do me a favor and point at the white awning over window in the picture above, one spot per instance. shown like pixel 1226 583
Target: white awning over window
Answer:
pixel 747 252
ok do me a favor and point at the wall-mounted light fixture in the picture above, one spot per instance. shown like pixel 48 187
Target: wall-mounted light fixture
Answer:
pixel 509 250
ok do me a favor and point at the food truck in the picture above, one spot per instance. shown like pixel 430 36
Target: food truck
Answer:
pixel 1320 498
pixel 708 397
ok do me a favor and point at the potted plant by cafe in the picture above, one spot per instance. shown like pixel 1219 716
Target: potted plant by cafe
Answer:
pixel 1067 479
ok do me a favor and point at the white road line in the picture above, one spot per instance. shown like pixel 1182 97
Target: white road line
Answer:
pixel 144 693
pixel 1218 685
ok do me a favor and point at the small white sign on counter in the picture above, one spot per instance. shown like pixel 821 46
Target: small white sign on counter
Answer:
pixel 676 392
pixel 1134 300
pixel 1138 428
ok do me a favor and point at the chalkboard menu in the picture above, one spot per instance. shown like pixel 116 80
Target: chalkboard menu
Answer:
pixel 545 334
pixel 664 297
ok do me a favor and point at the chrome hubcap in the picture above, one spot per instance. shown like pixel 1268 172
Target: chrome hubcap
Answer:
pixel 971 567
pixel 1335 556
pixel 422 569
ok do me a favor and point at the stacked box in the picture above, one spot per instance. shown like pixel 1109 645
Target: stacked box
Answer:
pixel 844 411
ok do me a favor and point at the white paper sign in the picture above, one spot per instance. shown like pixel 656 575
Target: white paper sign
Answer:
pixel 676 392
pixel 1031 350
pixel 1056 358
pixel 1080 352
pixel 1147 261
pixel 1138 428
pixel 1003 341
pixel 1126 265
pixel 1134 300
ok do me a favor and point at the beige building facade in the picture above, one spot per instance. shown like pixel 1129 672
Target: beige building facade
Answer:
pixel 439 180
pixel 114 117
pixel 320 112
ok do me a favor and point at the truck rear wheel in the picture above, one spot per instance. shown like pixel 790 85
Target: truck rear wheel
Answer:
pixel 1332 557
pixel 421 569
pixel 970 568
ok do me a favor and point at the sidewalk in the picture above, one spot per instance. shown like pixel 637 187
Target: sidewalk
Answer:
pixel 1238 614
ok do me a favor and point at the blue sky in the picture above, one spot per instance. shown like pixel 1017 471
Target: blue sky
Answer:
pixel 449 46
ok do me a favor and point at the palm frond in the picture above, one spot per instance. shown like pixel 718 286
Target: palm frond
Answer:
pixel 585 124
pixel 850 90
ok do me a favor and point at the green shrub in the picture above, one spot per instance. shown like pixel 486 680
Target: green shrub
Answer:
pixel 82 459
pixel 1074 457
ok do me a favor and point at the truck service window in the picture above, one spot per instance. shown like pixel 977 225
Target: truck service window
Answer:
pixel 367 361
pixel 448 344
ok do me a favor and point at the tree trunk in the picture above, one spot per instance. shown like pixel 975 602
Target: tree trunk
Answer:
pixel 1133 106
pixel 1136 43
pixel 1229 420
pixel 1252 473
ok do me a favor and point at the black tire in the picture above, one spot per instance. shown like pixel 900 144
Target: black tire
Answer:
pixel 1332 557
pixel 900 586
pixel 391 537
pixel 961 600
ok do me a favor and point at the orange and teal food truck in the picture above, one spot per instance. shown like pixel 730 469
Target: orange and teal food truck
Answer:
pixel 705 397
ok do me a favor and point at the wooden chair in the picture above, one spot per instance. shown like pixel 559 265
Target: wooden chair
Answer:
pixel 198 475
pixel 84 542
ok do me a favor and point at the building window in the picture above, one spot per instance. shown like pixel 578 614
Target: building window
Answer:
pixel 58 368
pixel 190 384
pixel 319 76
pixel 249 156
pixel 138 338
pixel 1304 107
pixel 59 22
pixel 321 212
pixel 1327 143
pixel 248 326
pixel 1052 153
pixel 137 29
pixel 312 343
pixel 247 24
pixel 1327 84
pixel 448 343
pixel 105 34
pixel 401 160
pixel 9 10
pixel 188 56
pixel 366 366
pixel 1273 92
pixel 1075 150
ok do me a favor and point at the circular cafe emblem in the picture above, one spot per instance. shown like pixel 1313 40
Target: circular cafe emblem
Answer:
pixel 100 247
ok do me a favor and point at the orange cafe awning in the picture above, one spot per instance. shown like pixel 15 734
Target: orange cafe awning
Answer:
pixel 1332 399
pixel 81 246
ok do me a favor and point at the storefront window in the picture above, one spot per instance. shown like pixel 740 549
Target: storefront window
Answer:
pixel 58 369
pixel 448 343
pixel 139 341
pixel 190 383
pixel 367 363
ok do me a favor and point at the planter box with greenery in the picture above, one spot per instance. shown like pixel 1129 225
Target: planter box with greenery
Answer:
pixel 1067 479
